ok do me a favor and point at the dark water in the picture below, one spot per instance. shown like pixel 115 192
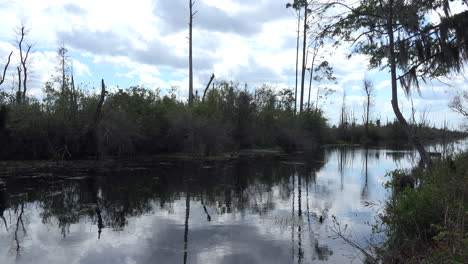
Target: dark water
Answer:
pixel 253 210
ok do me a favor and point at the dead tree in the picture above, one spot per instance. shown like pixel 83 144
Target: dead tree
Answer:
pixel 63 59
pixel 90 138
pixel 23 61
pixel 192 14
pixel 207 87
pixel 306 10
pixel 369 92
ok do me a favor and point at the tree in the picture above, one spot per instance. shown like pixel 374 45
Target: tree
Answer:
pixel 192 14
pixel 306 9
pixel 459 103
pixel 396 34
pixel 298 5
pixel 22 69
pixel 369 93
pixel 323 71
pixel 63 59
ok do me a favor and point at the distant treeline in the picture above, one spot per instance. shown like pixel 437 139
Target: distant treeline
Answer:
pixel 70 124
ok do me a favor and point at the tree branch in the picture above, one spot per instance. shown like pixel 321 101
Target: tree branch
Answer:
pixel 5 69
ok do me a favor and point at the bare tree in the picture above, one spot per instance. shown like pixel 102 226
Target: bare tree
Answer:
pixel 23 60
pixel 192 14
pixel 459 103
pixel 306 9
pixel 369 92
pixel 63 59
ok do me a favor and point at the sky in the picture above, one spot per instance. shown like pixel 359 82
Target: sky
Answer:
pixel 145 42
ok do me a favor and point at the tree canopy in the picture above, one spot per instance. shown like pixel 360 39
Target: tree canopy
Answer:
pixel 430 41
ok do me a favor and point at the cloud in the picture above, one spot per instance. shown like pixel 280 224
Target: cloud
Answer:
pixel 74 9
pixel 81 69
pixel 255 73
pixel 246 22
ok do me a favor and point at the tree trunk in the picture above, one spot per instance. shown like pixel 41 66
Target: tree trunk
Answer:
pixel 207 87
pixel 297 57
pixel 415 140
pixel 304 58
pixel 23 62
pixel 190 56
pixel 18 93
pixel 367 113
pixel 63 72
pixel 90 137
pixel 311 75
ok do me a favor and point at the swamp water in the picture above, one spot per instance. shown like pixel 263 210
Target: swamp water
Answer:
pixel 275 209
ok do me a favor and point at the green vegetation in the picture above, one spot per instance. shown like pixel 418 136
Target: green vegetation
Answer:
pixel 392 133
pixel 141 121
pixel 427 224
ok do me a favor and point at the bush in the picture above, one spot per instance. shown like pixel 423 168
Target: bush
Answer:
pixel 428 223
pixel 139 121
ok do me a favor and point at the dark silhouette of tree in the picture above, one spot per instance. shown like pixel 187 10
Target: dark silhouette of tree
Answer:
pixel 23 69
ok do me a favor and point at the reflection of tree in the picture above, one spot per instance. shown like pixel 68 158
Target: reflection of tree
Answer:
pixel 19 222
pixel 208 216
pixel 343 162
pixel 117 194
pixel 3 206
pixel 187 215
pixel 321 252
pixel 300 253
pixel 365 189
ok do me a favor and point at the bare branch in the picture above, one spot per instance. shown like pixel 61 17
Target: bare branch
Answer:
pixel 5 69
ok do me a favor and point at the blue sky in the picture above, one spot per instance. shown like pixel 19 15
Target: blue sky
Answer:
pixel 144 42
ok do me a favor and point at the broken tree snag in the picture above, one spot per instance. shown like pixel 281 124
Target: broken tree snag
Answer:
pixel 207 87
pixel 5 69
pixel 97 115
pixel 90 139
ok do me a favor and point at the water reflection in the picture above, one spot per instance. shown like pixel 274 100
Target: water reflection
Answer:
pixel 262 210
